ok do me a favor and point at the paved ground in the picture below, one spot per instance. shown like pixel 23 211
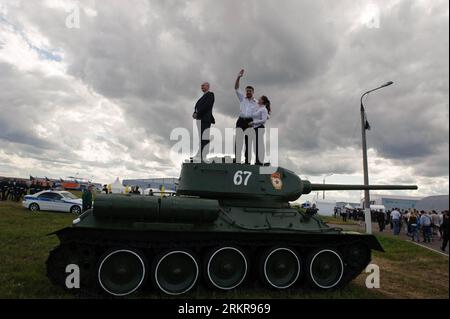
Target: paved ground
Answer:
pixel 435 245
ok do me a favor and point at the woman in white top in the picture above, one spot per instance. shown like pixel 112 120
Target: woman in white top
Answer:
pixel 260 116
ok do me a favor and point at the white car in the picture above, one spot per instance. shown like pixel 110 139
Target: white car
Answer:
pixel 60 201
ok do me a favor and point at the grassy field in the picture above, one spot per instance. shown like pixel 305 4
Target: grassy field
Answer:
pixel 407 271
pixel 338 220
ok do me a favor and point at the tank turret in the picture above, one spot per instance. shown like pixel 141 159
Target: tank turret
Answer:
pixel 241 184
pixel 222 219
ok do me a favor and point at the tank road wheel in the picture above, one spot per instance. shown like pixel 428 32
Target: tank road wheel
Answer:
pixel 121 272
pixel 226 267
pixel 280 267
pixel 325 268
pixel 175 272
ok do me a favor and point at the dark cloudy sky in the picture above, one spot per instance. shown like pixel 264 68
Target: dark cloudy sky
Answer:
pixel 101 100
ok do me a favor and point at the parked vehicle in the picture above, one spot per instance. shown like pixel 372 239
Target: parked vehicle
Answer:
pixel 58 201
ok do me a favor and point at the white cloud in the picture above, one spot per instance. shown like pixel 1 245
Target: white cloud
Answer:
pixel 131 73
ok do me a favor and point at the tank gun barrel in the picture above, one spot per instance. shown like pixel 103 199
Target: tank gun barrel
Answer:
pixel 310 187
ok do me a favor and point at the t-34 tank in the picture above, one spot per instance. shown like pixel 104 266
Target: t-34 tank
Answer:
pixel 227 225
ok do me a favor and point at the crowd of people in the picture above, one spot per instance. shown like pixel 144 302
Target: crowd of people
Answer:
pixel 15 189
pixel 419 225
pixel 346 214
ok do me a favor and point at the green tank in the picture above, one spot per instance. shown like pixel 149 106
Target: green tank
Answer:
pixel 226 226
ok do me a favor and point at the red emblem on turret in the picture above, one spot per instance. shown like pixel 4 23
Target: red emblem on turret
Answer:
pixel 276 181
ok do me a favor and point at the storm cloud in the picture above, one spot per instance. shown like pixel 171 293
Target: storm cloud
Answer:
pixel 103 98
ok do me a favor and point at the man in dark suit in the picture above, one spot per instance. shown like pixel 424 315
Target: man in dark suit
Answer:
pixel 203 113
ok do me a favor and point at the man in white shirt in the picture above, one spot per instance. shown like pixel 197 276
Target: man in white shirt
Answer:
pixel 248 106
pixel 395 217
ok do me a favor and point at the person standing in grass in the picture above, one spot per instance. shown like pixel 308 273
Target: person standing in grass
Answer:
pixel 388 218
pixel 3 187
pixel 400 222
pixel 381 218
pixel 425 223
pixel 444 229
pixel 344 215
pixel 87 198
pixel 430 215
pixel 408 224
pixel 414 226
pixel 395 217
pixel 441 219
pixel 435 223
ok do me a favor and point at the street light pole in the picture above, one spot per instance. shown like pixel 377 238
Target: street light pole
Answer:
pixel 364 152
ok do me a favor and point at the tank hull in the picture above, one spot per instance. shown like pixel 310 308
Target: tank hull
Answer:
pixel 228 225
pixel 91 238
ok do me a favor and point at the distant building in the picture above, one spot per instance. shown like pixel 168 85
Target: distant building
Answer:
pixel 325 207
pixel 438 203
pixel 393 201
pixel 343 204
pixel 169 184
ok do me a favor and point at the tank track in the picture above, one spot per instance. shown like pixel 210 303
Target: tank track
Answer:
pixel 85 247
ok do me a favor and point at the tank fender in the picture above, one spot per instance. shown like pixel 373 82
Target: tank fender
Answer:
pixel 370 240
